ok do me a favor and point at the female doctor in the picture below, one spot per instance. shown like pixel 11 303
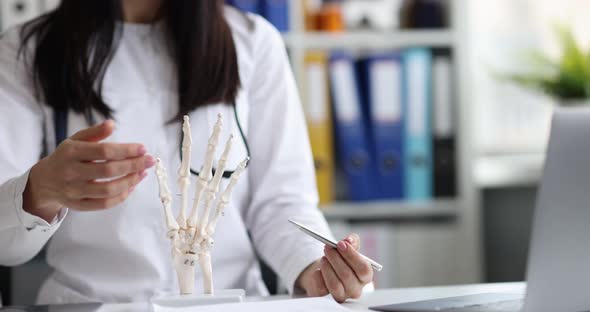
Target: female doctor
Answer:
pixel 144 64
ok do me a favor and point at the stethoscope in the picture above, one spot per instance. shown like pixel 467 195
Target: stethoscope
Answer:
pixel 228 173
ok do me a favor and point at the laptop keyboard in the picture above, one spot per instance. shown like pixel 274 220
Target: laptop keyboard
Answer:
pixel 505 306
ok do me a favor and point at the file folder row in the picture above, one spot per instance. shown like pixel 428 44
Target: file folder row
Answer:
pixel 275 11
pixel 14 12
pixel 389 117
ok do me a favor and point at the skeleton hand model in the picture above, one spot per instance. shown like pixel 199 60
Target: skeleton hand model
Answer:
pixel 192 238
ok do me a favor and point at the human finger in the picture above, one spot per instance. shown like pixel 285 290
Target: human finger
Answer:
pixel 94 204
pixel 355 240
pixel 90 151
pixel 331 280
pixel 117 168
pixel 361 267
pixel 318 287
pixel 352 285
pixel 112 188
pixel 95 133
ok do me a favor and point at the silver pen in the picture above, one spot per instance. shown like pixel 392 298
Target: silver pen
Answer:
pixel 331 243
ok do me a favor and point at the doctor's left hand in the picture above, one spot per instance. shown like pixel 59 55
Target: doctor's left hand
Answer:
pixel 342 272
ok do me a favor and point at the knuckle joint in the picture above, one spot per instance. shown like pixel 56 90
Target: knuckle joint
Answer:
pixel 104 152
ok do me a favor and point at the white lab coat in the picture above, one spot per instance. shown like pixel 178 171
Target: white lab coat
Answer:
pixel 122 254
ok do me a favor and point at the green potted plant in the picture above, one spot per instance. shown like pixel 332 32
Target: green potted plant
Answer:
pixel 567 79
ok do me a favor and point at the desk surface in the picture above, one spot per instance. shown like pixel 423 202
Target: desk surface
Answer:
pixel 382 297
pixel 392 296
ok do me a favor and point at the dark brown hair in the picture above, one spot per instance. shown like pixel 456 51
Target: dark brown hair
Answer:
pixel 76 42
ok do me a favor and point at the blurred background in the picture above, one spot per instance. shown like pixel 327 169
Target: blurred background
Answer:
pixel 428 121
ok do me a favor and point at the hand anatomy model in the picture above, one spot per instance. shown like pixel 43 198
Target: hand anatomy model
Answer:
pixel 192 238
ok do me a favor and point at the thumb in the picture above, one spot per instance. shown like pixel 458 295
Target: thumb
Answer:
pixel 355 240
pixel 95 133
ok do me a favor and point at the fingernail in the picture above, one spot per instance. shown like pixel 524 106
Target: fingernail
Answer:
pixel 141 150
pixel 349 239
pixel 108 122
pixel 132 189
pixel 143 174
pixel 149 161
pixel 342 246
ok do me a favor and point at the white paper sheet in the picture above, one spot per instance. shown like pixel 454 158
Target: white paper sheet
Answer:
pixel 291 305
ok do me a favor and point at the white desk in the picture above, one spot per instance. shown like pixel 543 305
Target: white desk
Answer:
pixel 392 296
pixel 379 297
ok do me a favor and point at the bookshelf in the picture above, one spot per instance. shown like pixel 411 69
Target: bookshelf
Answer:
pixel 369 39
pixel 460 214
pixel 391 210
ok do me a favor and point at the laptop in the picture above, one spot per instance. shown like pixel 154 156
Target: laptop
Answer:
pixel 558 272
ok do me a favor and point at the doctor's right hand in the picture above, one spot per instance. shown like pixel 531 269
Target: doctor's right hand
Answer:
pixel 68 177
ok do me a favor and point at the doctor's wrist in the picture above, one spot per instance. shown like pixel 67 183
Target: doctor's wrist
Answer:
pixel 38 201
